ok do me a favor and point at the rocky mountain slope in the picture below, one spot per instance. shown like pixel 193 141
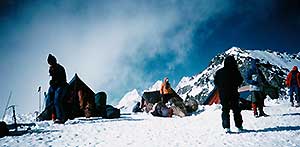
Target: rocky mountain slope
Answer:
pixel 275 67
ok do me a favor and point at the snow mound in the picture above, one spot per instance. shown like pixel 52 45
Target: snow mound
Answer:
pixel 156 86
pixel 129 100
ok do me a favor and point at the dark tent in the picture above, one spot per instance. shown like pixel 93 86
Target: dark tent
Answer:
pixel 149 99
pixel 72 104
pixel 152 96
pixel 81 101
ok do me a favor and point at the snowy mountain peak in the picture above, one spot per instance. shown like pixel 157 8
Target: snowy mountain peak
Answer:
pixel 156 86
pixel 237 52
pixel 183 82
pixel 234 51
pixel 129 100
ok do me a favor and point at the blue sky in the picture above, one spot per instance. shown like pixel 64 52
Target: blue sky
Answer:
pixel 116 46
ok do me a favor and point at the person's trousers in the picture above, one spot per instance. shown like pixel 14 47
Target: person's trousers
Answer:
pixel 56 95
pixel 294 89
pixel 234 106
pixel 259 102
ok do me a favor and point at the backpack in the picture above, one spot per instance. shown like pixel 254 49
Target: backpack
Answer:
pixel 100 102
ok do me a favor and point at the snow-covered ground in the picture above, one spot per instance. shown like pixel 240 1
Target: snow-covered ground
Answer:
pixel 281 128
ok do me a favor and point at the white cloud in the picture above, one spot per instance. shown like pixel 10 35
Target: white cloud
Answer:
pixel 106 42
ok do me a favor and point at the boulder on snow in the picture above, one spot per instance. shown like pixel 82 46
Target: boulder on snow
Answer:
pixel 178 106
pixel 161 110
pixel 191 105
pixel 111 112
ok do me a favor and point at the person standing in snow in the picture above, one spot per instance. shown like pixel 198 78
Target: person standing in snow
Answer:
pixel 57 89
pixel 227 80
pixel 293 83
pixel 257 81
pixel 166 91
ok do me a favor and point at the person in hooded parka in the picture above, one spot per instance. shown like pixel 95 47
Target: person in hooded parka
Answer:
pixel 57 89
pixel 257 81
pixel 227 80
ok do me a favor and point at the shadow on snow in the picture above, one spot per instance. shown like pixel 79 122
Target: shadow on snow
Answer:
pixel 291 114
pixel 275 129
pixel 101 120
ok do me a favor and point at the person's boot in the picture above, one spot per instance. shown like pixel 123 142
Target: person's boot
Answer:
pixel 227 130
pixel 241 129
pixel 262 113
pixel 58 121
pixel 254 110
pixel 53 117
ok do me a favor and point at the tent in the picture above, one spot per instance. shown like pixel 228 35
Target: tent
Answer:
pixel 213 97
pixel 71 102
pixel 81 101
pixel 151 96
pixel 245 97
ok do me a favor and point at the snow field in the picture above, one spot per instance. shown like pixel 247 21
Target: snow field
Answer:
pixel 281 128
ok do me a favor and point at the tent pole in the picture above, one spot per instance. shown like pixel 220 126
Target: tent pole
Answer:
pixel 39 91
pixel 10 94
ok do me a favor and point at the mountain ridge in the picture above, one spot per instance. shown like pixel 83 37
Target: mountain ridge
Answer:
pixel 276 67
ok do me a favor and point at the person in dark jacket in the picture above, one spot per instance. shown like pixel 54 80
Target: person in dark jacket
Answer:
pixel 227 80
pixel 57 89
pixel 293 83
pixel 257 81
